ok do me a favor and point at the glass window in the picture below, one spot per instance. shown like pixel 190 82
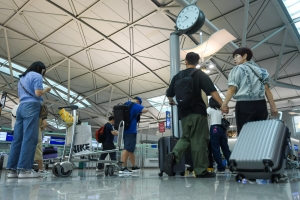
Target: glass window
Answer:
pixel 296 121
pixel 293 8
pixel 61 90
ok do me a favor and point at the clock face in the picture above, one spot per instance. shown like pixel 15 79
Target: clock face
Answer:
pixel 187 17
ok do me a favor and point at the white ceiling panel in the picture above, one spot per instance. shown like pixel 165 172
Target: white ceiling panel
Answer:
pixel 5 13
pixel 63 49
pixel 111 56
pixel 293 67
pixel 153 63
pixel 106 28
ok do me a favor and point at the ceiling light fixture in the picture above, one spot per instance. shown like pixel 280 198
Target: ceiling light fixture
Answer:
pixel 214 43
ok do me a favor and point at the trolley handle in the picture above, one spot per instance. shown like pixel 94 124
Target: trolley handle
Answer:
pixel 120 134
pixel 73 107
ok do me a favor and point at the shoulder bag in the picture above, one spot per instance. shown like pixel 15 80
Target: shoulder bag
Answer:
pixel 44 108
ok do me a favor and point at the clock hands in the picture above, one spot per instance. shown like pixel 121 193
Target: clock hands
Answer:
pixel 185 19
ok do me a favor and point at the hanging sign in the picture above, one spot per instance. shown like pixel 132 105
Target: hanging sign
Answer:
pixel 161 127
pixel 168 119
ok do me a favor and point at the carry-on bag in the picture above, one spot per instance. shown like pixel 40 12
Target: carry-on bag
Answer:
pixel 260 151
pixel 165 146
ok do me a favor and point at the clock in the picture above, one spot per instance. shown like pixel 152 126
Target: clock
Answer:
pixel 190 19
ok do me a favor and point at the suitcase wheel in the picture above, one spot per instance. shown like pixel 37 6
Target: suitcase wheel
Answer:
pixel 182 173
pixel 160 174
pixel 239 177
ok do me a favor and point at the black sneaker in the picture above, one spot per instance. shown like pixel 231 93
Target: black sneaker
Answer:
pixel 169 164
pixel 207 175
pixel 135 168
pixel 124 170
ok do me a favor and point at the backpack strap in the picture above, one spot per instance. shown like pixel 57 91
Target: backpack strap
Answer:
pixel 130 105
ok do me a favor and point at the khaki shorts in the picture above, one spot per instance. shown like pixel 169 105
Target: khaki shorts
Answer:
pixel 39 152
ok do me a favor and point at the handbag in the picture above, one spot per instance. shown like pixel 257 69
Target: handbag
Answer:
pixel 43 109
pixel 225 123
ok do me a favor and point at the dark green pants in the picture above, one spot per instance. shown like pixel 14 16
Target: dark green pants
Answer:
pixel 195 136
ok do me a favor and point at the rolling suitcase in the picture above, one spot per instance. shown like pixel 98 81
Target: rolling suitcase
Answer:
pixel 260 150
pixel 165 146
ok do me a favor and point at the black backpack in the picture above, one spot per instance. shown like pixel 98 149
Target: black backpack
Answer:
pixel 184 90
pixel 122 112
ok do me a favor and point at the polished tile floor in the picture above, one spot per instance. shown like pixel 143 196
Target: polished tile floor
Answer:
pixel 86 184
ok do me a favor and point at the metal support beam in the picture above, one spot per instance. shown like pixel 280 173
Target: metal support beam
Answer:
pixel 29 26
pixel 246 13
pixel 268 44
pixel 286 85
pixel 287 63
pixel 69 81
pixel 271 35
pixel 162 105
pixel 295 37
pixel 183 3
pixel 280 54
pixel 193 1
pixel 52 88
pixel 257 15
pixel 109 104
pixel 94 93
pixel 9 60
pixel 17 13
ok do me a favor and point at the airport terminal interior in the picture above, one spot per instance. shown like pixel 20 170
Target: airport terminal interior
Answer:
pixel 100 53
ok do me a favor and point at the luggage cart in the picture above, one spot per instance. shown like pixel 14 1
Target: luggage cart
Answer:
pixel 65 165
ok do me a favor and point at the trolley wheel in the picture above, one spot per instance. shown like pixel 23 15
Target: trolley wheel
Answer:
pixel 64 173
pixel 268 168
pixel 111 171
pixel 239 177
pixel 182 173
pixel 55 170
pixel 160 174
pixel 275 179
pixel 106 171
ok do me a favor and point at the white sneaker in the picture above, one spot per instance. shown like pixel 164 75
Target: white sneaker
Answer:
pixel 43 172
pixel 125 171
pixel 99 170
pixel 28 174
pixel 12 174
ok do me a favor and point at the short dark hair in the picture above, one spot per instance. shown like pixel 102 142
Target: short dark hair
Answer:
pixel 192 58
pixel 111 118
pixel 35 67
pixel 242 51
pixel 213 103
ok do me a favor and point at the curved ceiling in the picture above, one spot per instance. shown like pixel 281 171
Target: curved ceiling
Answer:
pixel 107 51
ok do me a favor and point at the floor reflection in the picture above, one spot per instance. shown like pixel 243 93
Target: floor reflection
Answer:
pixel 87 184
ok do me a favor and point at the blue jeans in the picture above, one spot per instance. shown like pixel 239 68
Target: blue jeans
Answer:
pixel 218 139
pixel 22 150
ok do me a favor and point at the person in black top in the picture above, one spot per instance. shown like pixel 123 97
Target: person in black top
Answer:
pixel 108 144
pixel 194 121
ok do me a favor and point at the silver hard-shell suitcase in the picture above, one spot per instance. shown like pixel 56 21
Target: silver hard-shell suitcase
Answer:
pixel 260 150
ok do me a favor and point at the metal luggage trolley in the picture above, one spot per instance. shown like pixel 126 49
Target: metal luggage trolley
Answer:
pixel 65 167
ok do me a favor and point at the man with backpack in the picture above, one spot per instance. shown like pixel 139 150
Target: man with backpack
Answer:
pixel 108 143
pixel 187 86
pixel 130 134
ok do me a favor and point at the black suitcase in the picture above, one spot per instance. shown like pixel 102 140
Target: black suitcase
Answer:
pixel 165 146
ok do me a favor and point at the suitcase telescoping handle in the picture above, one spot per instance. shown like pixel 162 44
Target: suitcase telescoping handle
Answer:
pixel 279 116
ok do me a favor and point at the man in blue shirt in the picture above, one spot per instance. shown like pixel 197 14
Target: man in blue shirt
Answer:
pixel 108 144
pixel 130 135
